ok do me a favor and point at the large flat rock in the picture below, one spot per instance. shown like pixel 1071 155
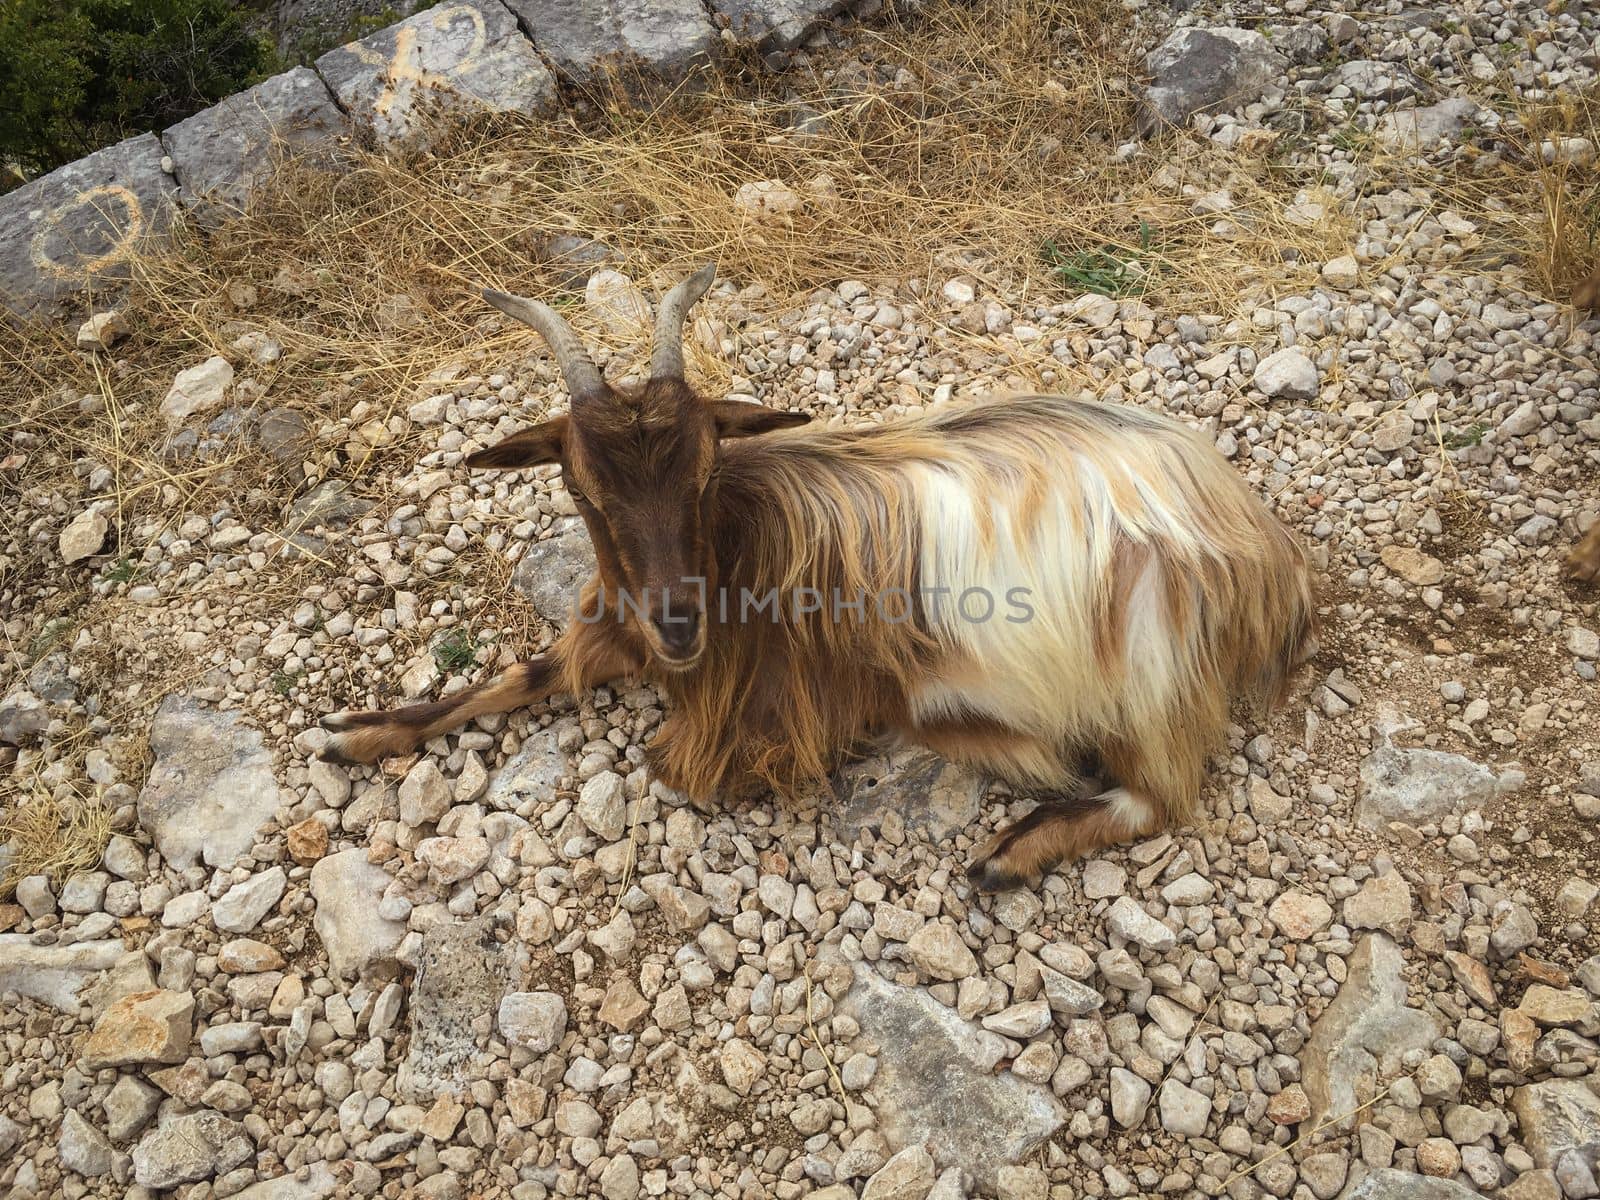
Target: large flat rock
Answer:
pixel 932 795
pixel 1417 785
pixel 222 154
pixel 53 974
pixel 79 224
pixel 928 1091
pixel 1558 1117
pixel 1361 1037
pixel 347 889
pixel 453 58
pixel 1390 1184
pixel 593 41
pixel 1206 70
pixel 462 972
pixel 553 570
pixel 211 786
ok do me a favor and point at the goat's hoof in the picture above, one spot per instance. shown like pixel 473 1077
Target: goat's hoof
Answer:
pixel 358 738
pixel 991 874
pixel 343 750
pixel 353 719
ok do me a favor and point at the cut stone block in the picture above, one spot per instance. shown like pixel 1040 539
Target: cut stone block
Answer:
pixel 776 26
pixel 455 57
pixel 221 155
pixel 79 224
pixel 590 40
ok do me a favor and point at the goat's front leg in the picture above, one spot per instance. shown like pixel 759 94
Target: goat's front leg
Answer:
pixel 600 655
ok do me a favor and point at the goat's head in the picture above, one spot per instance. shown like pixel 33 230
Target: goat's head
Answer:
pixel 641 465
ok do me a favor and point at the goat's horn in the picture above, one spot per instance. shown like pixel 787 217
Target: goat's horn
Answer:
pixel 582 376
pixel 666 360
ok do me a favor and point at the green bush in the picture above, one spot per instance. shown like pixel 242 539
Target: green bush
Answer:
pixel 76 75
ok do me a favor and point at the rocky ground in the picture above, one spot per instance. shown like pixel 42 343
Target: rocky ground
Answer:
pixel 512 966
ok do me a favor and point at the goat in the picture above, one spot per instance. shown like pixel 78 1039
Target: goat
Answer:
pixel 1146 588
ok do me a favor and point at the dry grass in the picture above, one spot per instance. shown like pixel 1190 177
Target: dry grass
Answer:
pixel 47 835
pixel 1554 205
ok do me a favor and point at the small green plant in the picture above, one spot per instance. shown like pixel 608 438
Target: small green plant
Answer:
pixel 55 632
pixel 125 570
pixel 1107 270
pixel 283 682
pixel 1461 439
pixel 1351 140
pixel 456 650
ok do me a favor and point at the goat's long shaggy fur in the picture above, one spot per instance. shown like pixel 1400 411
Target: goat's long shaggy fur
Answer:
pixel 1159 588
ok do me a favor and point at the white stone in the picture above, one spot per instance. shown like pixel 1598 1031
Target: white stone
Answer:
pixel 197 389
pixel 1287 373
pixel 84 536
pixel 533 1020
pixel 1129 921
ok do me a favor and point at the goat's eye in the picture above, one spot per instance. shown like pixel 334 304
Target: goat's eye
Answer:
pixel 577 494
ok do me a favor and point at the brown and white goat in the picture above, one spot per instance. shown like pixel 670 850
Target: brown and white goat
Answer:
pixel 1144 588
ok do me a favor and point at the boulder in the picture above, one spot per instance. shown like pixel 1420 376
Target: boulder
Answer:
pixel 83 1148
pixel 623 41
pixel 462 973
pixel 1390 1184
pixel 1362 1035
pixel 347 889
pixel 243 906
pixel 1416 786
pixel 1418 129
pixel 316 1182
pixel 23 717
pixel 1370 79
pixel 935 797
pixel 81 223
pixel 1557 1117
pixel 143 1027
pixel 1215 69
pixel 776 26
pixel 533 772
pixel 53 974
pixel 187 1148
pixel 224 152
pixel 553 570
pixel 466 56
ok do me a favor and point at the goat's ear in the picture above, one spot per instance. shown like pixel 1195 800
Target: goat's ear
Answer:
pixel 530 448
pixel 739 418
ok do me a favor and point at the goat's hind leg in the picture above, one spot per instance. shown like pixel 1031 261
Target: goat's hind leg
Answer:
pixel 1059 831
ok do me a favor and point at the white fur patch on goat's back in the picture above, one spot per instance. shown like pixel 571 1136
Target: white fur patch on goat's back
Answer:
pixel 1111 526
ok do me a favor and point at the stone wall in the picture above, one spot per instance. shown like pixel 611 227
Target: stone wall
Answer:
pixel 79 225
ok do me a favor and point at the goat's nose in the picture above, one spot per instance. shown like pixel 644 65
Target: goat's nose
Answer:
pixel 679 631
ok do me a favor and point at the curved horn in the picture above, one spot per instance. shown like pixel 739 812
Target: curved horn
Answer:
pixel 582 376
pixel 666 359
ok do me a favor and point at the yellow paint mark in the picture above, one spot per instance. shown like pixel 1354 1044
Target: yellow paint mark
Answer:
pixel 103 200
